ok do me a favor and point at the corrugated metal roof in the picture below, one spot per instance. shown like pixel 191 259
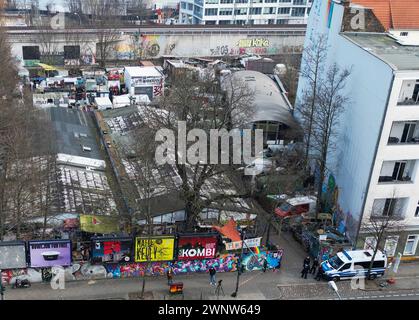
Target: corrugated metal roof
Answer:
pixel 269 102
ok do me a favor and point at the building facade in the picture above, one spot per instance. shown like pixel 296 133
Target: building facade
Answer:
pixel 376 162
pixel 243 12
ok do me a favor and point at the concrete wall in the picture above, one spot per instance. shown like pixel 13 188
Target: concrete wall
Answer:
pixel 155 46
pixel 181 44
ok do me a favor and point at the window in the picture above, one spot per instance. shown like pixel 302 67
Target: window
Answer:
pixel 298 12
pixel 211 12
pixel 271 1
pixel 362 265
pixel 370 243
pixel 391 245
pixel 284 10
pixel 398 170
pixel 390 207
pixel 241 1
pixel 408 131
pixel 404 34
pixel 417 211
pixel 270 10
pixel 31 53
pixel 282 21
pixel 255 10
pixel 300 2
pixel 71 52
pixel 378 264
pixel 211 1
pixel 240 12
pixel 411 244
pixel 345 267
pixel 226 1
pixel 226 12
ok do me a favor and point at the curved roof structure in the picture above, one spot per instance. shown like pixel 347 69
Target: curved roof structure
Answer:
pixel 270 103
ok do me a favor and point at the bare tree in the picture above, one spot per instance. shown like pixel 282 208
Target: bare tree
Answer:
pixel 381 226
pixel 330 105
pixel 201 104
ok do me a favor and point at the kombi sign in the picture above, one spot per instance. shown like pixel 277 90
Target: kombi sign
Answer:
pixel 197 247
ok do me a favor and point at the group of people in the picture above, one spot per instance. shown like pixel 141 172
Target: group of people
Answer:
pixel 309 268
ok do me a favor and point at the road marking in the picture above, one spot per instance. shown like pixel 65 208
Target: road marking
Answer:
pixel 410 294
pixel 396 295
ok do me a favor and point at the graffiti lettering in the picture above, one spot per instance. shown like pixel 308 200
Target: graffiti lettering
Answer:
pixel 220 51
pixel 252 43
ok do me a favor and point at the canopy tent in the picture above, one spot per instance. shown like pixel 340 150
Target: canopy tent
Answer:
pixel 47 67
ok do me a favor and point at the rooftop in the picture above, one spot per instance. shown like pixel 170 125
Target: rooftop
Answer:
pixel 73 130
pixel 270 102
pixel 135 72
pixel 386 48
pixel 394 14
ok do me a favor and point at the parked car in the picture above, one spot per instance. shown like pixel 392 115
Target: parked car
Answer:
pixel 297 206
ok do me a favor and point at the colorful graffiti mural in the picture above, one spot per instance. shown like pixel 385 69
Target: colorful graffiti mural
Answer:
pixel 225 263
pixel 253 260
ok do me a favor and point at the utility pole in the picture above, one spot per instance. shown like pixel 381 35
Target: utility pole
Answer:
pixel 2 288
pixel 239 265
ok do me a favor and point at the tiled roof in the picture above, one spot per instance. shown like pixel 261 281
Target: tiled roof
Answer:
pixel 394 14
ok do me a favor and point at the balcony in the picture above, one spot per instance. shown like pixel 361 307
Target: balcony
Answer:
pixel 404 132
pixel 409 94
pixel 397 172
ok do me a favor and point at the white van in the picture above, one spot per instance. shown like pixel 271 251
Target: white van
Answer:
pixel 347 264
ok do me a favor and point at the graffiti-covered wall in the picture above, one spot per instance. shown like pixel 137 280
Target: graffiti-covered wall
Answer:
pixel 217 45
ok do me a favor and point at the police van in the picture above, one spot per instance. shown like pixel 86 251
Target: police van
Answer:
pixel 347 264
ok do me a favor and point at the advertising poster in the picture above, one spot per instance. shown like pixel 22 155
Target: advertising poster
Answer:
pixel 99 224
pixel 197 247
pixel 12 255
pixel 50 253
pixel 111 250
pixel 154 249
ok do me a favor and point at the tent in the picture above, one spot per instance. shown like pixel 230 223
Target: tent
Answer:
pixel 103 103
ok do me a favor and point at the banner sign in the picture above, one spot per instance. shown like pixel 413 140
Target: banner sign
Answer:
pixel 99 224
pixel 154 248
pixel 197 247
pixel 12 255
pixel 111 250
pixel 50 253
pixel 249 243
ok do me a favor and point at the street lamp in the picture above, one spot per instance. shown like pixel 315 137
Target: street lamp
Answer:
pixel 239 265
pixel 333 285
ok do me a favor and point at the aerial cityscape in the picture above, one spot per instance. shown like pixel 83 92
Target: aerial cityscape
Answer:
pixel 219 150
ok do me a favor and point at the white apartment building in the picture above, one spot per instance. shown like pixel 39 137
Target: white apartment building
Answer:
pixel 376 164
pixel 243 12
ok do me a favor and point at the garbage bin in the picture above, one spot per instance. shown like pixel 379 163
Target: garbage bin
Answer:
pixel 176 288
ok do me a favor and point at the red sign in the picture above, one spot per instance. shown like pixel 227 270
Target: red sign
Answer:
pixel 197 248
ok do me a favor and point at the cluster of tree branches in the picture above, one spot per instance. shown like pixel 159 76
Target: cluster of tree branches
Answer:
pixel 320 107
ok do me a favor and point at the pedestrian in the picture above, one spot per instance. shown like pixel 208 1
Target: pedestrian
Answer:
pixel 306 261
pixel 265 264
pixel 169 274
pixel 212 273
pixel 314 266
pixel 306 268
pixel 319 274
